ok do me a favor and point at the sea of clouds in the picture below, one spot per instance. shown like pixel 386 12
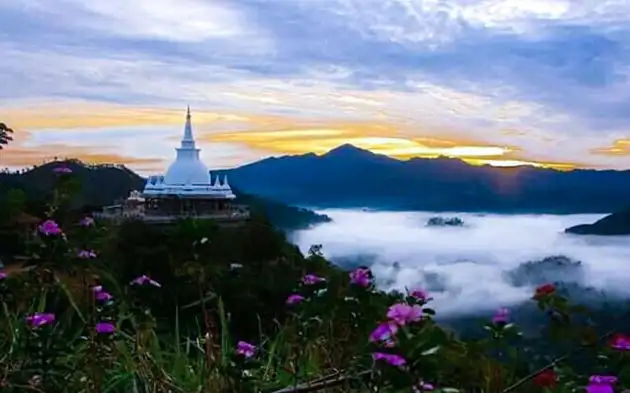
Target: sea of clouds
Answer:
pixel 467 268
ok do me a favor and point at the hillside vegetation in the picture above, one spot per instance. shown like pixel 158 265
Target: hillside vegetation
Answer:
pixel 100 185
pixel 199 308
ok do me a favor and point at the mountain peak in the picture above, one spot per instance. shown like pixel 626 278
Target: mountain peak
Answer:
pixel 347 149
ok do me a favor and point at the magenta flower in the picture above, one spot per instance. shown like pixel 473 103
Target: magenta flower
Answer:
pixel 311 279
pixel 360 277
pixel 620 342
pixel 420 295
pixel 40 319
pixel 105 327
pixel 87 254
pixel 3 276
pixel 384 333
pixel 294 299
pixel 245 349
pixel 501 316
pixel 402 313
pixel 601 384
pixel 145 280
pixel 62 169
pixel 49 227
pixel 86 222
pixel 391 359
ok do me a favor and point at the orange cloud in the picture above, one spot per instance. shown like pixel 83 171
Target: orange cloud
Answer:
pixel 95 116
pixel 379 139
pixel 24 157
pixel 620 147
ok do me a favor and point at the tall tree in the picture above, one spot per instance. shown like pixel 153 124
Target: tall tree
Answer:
pixel 5 135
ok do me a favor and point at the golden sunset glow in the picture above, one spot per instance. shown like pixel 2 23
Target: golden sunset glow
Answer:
pixel 620 147
pixel 271 135
pixel 320 141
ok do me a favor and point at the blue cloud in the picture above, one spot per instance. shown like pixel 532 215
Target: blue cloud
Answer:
pixel 572 61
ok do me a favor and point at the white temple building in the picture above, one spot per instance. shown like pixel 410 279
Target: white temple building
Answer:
pixel 186 190
pixel 187 176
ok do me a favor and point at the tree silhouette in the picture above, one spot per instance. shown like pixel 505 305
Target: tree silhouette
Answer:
pixel 5 135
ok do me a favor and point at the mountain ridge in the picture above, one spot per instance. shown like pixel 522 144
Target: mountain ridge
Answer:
pixel 348 176
pixel 106 184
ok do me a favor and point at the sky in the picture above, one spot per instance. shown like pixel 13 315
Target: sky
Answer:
pixel 500 82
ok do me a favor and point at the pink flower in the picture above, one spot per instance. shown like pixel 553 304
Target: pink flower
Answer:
pixel 294 299
pixel 384 333
pixel 40 319
pixel 501 316
pixel 144 280
pixel 402 313
pixel 3 276
pixel 49 227
pixel 311 279
pixel 620 342
pixel 87 254
pixel 421 295
pixel 245 349
pixel 394 360
pixel 360 277
pixel 601 384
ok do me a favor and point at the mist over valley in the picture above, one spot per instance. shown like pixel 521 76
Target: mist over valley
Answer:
pixel 492 261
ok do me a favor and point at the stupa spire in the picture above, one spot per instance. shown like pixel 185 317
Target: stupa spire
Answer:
pixel 188 140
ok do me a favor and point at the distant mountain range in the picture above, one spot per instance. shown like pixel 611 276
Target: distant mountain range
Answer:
pixel 351 177
pixel 103 185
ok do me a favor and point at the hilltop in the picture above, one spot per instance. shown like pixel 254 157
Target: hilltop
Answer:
pixel 102 185
pixel 352 177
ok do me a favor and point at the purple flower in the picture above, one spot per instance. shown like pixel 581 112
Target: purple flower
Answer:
pixel 40 319
pixel 245 349
pixel 501 316
pixel 3 276
pixel 294 299
pixel 86 222
pixel 394 360
pixel 100 294
pixel 49 227
pixel 105 327
pixel 61 169
pixel 402 313
pixel 360 277
pixel 620 342
pixel 420 295
pixel 87 254
pixel 311 279
pixel 384 333
pixel 601 384
pixel 423 387
pixel 144 280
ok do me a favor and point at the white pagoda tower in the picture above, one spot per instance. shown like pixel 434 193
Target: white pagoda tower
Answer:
pixel 187 189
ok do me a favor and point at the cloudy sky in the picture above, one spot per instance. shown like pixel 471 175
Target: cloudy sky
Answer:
pixel 490 81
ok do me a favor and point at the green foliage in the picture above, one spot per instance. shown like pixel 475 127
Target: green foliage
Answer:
pixel 88 193
pixel 5 135
pixel 140 308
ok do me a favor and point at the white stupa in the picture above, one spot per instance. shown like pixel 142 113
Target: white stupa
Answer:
pixel 187 176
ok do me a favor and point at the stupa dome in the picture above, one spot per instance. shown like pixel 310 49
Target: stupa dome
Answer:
pixel 187 171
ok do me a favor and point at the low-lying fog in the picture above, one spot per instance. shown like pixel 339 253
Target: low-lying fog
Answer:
pixel 467 268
